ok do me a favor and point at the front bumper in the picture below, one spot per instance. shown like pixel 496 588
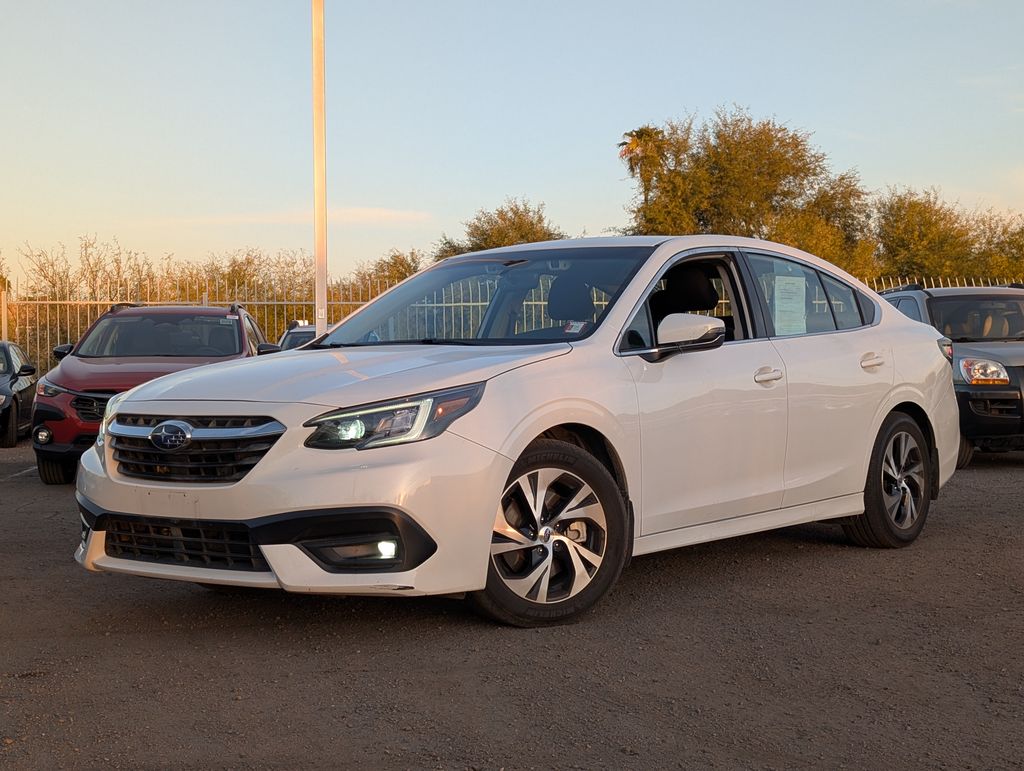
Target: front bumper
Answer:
pixel 992 417
pixel 447 487
pixel 72 436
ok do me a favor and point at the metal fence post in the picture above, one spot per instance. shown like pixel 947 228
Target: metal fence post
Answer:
pixel 3 314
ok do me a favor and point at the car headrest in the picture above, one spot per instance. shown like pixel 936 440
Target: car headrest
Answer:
pixel 691 289
pixel 995 326
pixel 570 299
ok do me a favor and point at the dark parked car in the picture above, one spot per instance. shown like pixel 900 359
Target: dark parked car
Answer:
pixel 17 389
pixel 986 327
pixel 125 347
pixel 298 333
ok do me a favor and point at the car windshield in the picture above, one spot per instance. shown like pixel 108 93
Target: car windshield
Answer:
pixel 296 337
pixel 164 334
pixel 4 368
pixel 969 318
pixel 510 298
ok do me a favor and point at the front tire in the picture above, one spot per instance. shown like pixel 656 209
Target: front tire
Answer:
pixel 963 458
pixel 56 472
pixel 9 438
pixel 898 489
pixel 562 534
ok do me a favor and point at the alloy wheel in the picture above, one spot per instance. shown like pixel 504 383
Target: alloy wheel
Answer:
pixel 903 483
pixel 550 535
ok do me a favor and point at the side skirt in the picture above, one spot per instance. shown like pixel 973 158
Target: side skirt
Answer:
pixel 833 508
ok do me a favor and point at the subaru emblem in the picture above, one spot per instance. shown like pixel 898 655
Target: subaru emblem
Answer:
pixel 171 435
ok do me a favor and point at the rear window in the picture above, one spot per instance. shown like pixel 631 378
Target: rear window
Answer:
pixel 167 334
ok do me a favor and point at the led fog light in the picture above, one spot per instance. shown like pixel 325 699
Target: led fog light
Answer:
pixel 377 551
pixel 43 435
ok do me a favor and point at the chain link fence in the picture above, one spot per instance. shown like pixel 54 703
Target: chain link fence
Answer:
pixel 38 324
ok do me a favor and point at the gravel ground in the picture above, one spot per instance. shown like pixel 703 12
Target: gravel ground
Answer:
pixel 784 649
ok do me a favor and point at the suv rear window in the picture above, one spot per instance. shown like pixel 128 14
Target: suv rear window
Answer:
pixel 167 334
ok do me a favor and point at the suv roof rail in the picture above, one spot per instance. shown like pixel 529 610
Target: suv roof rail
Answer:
pixel 1014 285
pixel 904 288
pixel 121 306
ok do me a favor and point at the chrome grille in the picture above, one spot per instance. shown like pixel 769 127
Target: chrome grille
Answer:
pixel 221 449
pixel 196 543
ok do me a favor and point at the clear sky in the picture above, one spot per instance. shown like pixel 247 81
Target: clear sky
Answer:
pixel 184 126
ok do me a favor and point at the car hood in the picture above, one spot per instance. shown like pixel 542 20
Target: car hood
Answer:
pixel 1008 352
pixel 345 376
pixel 116 374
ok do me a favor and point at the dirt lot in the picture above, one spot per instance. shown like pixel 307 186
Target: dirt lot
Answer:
pixel 785 649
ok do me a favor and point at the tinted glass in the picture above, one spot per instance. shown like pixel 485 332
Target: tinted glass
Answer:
pixel 979 317
pixel 165 334
pixel 295 338
pixel 515 298
pixel 909 308
pixel 793 295
pixel 844 303
pixel 5 367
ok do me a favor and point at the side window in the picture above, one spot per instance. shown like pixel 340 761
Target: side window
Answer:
pixel 793 295
pixel 705 287
pixel 909 308
pixel 844 303
pixel 16 360
pixel 256 331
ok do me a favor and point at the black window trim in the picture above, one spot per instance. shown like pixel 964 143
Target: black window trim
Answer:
pixel 769 326
pixel 750 309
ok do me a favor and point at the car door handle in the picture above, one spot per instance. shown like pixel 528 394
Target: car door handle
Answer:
pixel 767 375
pixel 871 360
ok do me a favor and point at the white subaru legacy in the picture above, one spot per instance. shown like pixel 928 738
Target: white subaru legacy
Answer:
pixel 513 425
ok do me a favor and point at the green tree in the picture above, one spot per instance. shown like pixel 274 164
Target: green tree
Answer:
pixel 919 234
pixel 739 176
pixel 516 221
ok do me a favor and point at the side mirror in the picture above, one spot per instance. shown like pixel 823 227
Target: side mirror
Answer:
pixel 62 350
pixel 265 348
pixel 680 332
pixel 27 370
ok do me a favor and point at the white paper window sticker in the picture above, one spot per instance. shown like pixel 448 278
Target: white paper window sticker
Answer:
pixel 790 305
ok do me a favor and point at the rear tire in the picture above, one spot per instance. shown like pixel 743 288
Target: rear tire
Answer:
pixel 56 472
pixel 562 534
pixel 963 459
pixel 898 489
pixel 10 434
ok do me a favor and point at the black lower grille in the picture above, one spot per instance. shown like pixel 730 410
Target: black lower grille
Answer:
pixel 195 543
pixel 90 408
pixel 204 460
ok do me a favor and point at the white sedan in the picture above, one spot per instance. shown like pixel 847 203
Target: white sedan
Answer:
pixel 513 425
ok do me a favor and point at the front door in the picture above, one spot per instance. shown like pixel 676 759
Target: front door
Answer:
pixel 713 423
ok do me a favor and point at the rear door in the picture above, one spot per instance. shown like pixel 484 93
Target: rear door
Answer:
pixel 839 367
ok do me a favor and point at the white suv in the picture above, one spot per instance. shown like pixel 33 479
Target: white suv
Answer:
pixel 515 424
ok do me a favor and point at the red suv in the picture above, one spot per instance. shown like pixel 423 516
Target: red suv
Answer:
pixel 123 348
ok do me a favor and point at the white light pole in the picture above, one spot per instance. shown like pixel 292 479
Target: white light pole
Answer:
pixel 319 170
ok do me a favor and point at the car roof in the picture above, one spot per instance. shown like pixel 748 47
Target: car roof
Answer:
pixel 162 310
pixel 950 291
pixel 675 243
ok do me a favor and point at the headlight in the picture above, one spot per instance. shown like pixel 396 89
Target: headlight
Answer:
pixel 108 415
pixel 3 399
pixel 983 372
pixel 393 422
pixel 45 388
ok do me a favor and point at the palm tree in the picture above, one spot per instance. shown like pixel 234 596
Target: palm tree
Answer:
pixel 643 151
